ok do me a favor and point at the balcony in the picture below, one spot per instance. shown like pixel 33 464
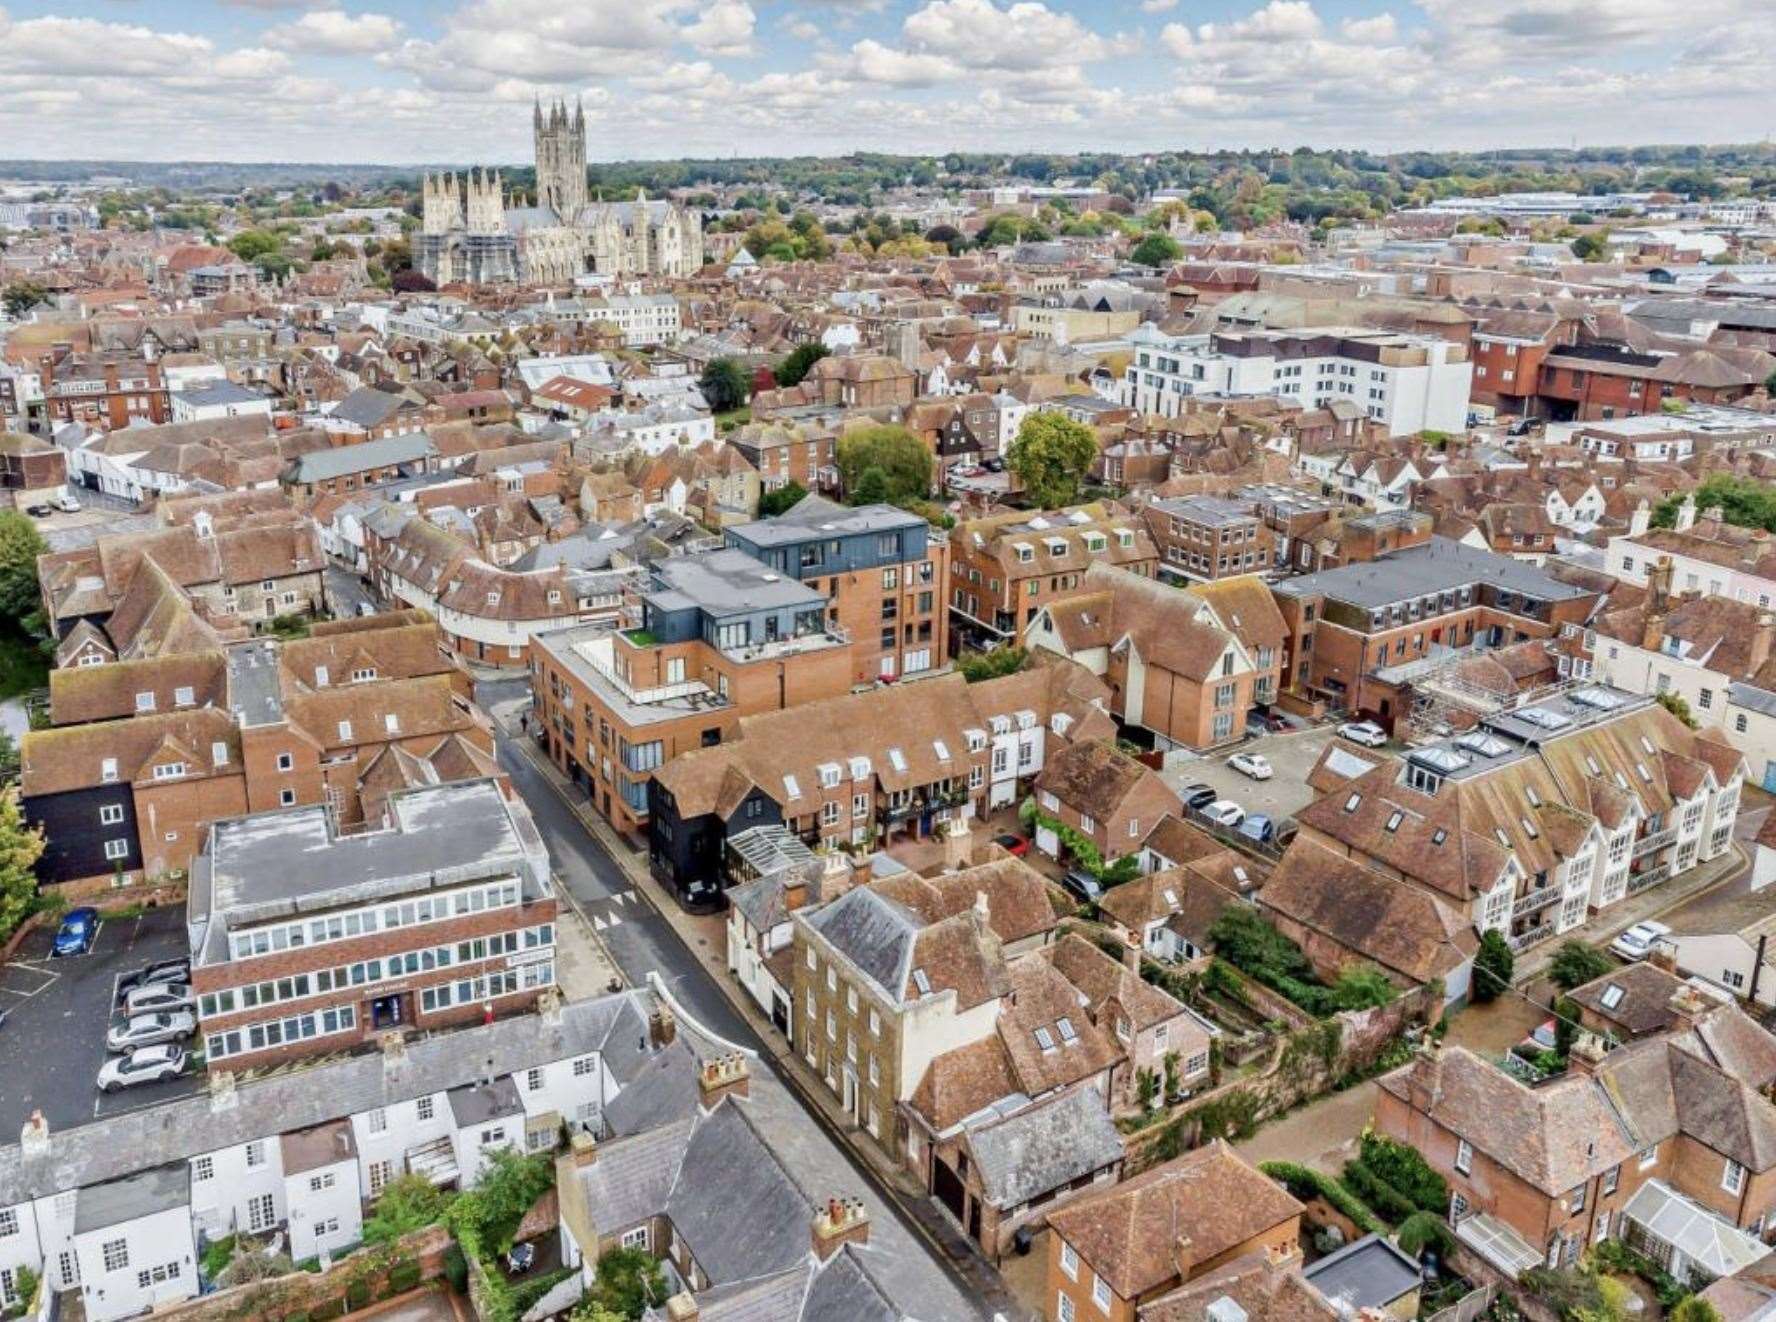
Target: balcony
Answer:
pixel 1654 840
pixel 1640 881
pixel 1534 936
pixel 1536 901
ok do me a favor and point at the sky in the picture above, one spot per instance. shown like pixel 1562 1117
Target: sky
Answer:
pixel 417 81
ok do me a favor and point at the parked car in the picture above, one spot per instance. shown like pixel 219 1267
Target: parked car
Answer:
pixel 1258 828
pixel 1367 733
pixel 38 511
pixel 521 1259
pixel 1083 886
pixel 1225 812
pixel 66 503
pixel 1541 1039
pixel 162 997
pixel 148 1030
pixel 1015 845
pixel 1638 941
pixel 76 933
pixel 1254 765
pixel 1200 796
pixel 143 1065
pixel 152 975
pixel 366 608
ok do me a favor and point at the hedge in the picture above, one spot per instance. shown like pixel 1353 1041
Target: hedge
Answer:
pixel 1401 1166
pixel 1377 1192
pixel 1422 1230
pixel 1306 1182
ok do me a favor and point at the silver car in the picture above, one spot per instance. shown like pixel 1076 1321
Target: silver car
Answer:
pixel 143 1065
pixel 158 999
pixel 148 1030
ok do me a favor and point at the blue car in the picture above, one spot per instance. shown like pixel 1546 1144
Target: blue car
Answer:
pixel 75 935
pixel 1257 827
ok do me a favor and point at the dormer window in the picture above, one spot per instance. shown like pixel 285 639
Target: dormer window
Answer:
pixel 345 731
pixel 392 723
pixel 108 769
pixel 169 770
pixel 321 677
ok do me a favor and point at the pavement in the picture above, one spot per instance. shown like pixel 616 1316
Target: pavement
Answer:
pixel 1291 756
pixel 645 931
pixel 57 1011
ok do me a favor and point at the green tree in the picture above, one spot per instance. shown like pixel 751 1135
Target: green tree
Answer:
pixel 783 498
pixel 1006 660
pixel 1678 706
pixel 905 465
pixel 1156 250
pixel 251 245
pixel 20 848
pixel 1577 963
pixel 629 1282
pixel 792 369
pixel 1590 247
pixel 20 545
pixel 1742 501
pixel 1360 987
pixel 1493 966
pixel 723 384
pixel 408 1203
pixel 1050 453
pixel 1566 1025
pixel 23 295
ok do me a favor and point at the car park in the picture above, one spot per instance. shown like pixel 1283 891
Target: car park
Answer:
pixel 165 996
pixel 1224 812
pixel 1015 845
pixel 1257 828
pixel 1199 795
pixel 1638 941
pixel 143 1065
pixel 1254 765
pixel 153 975
pixel 1366 733
pixel 74 936
pixel 148 1030
pixel 1083 886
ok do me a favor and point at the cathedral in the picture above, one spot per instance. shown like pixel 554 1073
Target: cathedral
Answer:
pixel 470 234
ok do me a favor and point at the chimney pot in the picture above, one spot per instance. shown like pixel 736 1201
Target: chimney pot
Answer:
pixel 842 1221
pixel 34 1137
pixel 1587 1054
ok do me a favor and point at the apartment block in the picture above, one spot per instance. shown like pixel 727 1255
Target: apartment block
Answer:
pixel 719 636
pixel 1203 538
pixel 882 569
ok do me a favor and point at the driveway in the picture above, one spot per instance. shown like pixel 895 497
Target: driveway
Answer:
pixel 53 1041
pixel 1286 793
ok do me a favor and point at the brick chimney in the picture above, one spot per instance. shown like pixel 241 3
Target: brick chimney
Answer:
pixel 1686 514
pixel 842 1221
pixel 1711 519
pixel 1281 1255
pixel 662 1026
pixel 721 1076
pixel 34 1137
pixel 1687 1006
pixel 1183 1255
pixel 1586 1055
pixel 1763 641
pixel 682 1307
pixel 393 1044
pixel 582 1149
pixel 222 1094
pixel 1663 957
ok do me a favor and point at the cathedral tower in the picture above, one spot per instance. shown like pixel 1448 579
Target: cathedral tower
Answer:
pixel 561 158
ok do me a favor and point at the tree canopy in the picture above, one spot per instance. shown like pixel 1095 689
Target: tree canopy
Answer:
pixel 20 545
pixel 792 369
pixel 1156 250
pixel 1493 966
pixel 1742 501
pixel 1577 963
pixel 1049 454
pixel 20 848
pixel 23 295
pixel 724 384
pixel 785 497
pixel 884 464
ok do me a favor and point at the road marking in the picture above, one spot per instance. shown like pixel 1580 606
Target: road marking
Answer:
pixel 597 923
pixel 615 921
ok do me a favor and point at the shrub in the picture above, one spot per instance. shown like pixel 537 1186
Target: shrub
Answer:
pixel 216 1256
pixel 1252 945
pixel 456 1269
pixel 357 1294
pixel 403 1277
pixel 1403 1168
pixel 1424 1230
pixel 408 1203
pixel 1577 963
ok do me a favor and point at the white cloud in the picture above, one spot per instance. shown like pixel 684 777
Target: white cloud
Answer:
pixel 1025 35
pixel 1157 6
pixel 334 32
pixel 869 61
pixel 725 28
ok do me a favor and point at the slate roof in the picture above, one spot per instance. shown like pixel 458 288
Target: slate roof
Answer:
pixel 1044 1147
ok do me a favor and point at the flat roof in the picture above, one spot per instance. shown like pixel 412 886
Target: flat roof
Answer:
pixel 276 864
pixel 1216 510
pixel 254 691
pixel 816 517
pixel 1438 565
pixel 727 582
pixel 1369 1273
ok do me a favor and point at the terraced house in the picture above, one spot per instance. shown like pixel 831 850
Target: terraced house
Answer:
pixel 1526 824
pixel 867 767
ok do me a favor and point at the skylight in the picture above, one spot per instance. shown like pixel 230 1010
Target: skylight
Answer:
pixel 1444 760
pixel 1612 995
pixel 1545 719
pixel 1394 820
pixel 1641 771
pixel 791 787
pixel 1068 1033
pixel 1601 699
pixel 1503 839
pixel 1486 745
pixel 1171 897
pixel 1351 804
pixel 1045 1039
pixel 1439 836
pixel 942 750
pixel 1528 828
pixel 897 759
pixel 1646 744
pixel 922 982
pixel 1591 762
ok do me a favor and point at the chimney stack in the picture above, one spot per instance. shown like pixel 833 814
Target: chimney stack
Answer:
pixel 1641 519
pixel 34 1137
pixel 1663 957
pixel 1686 514
pixel 582 1149
pixel 1586 1055
pixel 222 1094
pixel 1281 1255
pixel 721 1076
pixel 1713 516
pixel 842 1221
pixel 394 1050
pixel 1183 1255
pixel 662 1026
pixel 1659 585
pixel 682 1307
pixel 1687 1006
pixel 958 845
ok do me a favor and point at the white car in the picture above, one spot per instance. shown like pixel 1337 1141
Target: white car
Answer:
pixel 1366 733
pixel 1251 764
pixel 143 1065
pixel 66 503
pixel 1638 941
pixel 149 1030
pixel 1225 812
pixel 164 997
